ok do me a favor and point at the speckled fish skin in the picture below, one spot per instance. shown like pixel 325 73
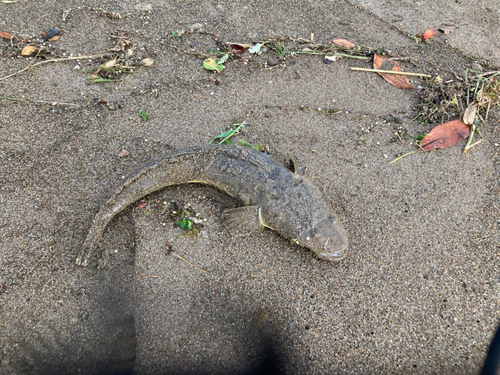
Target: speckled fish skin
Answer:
pixel 289 204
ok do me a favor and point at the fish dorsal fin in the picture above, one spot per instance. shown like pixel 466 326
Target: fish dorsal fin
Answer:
pixel 242 220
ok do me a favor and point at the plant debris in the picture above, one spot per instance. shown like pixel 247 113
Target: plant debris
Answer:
pixel 343 43
pixel 50 35
pixel 6 35
pixel 445 135
pixel 228 134
pixel 399 81
pixel 123 153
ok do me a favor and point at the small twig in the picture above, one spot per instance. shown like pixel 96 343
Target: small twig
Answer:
pixel 402 156
pixel 191 264
pixel 55 60
pixel 146 277
pixel 391 72
pixel 38 101
pixel 13 140
pixel 472 145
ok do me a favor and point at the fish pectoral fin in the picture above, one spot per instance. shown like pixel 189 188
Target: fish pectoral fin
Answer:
pixel 242 220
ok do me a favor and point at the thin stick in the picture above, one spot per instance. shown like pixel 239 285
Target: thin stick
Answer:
pixel 191 264
pixel 472 145
pixel 146 277
pixel 402 156
pixel 391 72
pixel 39 101
pixel 55 60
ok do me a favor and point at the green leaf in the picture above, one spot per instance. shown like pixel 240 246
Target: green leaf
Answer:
pixel 145 116
pixel 185 224
pixel 256 48
pixel 223 59
pixel 227 134
pixel 244 143
pixel 211 64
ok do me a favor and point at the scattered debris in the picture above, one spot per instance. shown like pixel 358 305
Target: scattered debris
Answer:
pixel 51 35
pixel 228 134
pixel 185 224
pixel 256 48
pixel 2 288
pixel 28 50
pixel 428 34
pixel 239 48
pixel 446 30
pixel 343 43
pixel 445 135
pixel 123 153
pixel 211 64
pixel 469 114
pixel 147 61
pixel 144 115
pixel 399 81
pixel 331 59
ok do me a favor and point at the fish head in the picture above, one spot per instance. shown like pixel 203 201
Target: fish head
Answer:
pixel 326 237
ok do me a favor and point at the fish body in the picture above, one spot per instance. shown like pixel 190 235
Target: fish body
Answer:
pixel 272 197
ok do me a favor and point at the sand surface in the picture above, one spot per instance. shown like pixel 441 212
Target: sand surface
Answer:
pixel 419 291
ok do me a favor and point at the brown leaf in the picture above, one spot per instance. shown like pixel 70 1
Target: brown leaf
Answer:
pixel 123 153
pixel 397 80
pixel 6 35
pixel 470 114
pixel 343 43
pixel 28 50
pixel 446 30
pixel 54 38
pixel 147 61
pixel 445 135
pixel 110 63
pixel 142 205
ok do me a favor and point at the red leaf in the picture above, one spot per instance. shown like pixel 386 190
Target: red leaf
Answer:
pixel 397 80
pixel 142 205
pixel 6 35
pixel 343 43
pixel 445 135
pixel 428 34
pixel 238 47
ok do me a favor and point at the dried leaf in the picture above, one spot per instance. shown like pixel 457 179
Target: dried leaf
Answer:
pixel 110 64
pixel 333 58
pixel 211 64
pixel 123 153
pixel 397 80
pixel 147 61
pixel 238 47
pixel 428 34
pixel 142 205
pixel 28 50
pixel 446 30
pixel 54 38
pixel 256 48
pixel 343 43
pixel 445 135
pixel 6 35
pixel 470 114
